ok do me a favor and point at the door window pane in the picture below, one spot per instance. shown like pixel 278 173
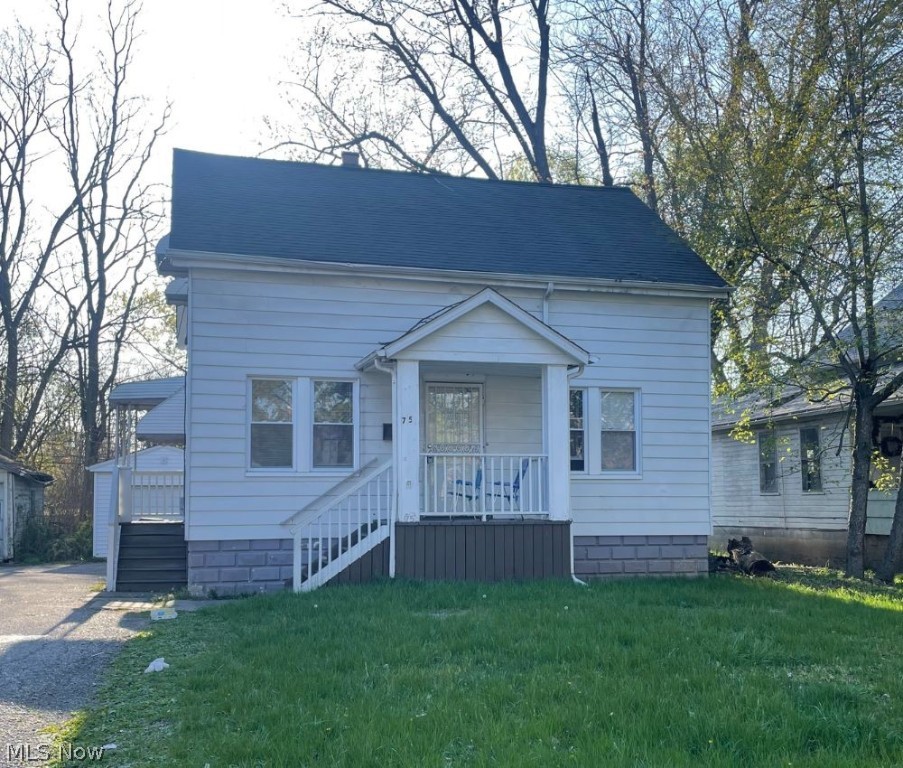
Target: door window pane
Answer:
pixel 454 418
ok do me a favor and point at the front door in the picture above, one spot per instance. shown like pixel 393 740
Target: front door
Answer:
pixel 452 442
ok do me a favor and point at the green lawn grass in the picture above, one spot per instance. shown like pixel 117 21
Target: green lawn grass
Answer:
pixel 801 670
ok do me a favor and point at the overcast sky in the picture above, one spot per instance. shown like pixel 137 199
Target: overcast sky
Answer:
pixel 218 61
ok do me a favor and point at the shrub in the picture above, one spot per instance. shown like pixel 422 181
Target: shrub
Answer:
pixel 47 538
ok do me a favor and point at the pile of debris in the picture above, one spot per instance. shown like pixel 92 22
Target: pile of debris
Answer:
pixel 741 557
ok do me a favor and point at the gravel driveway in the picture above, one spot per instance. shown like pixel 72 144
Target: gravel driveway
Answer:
pixel 56 638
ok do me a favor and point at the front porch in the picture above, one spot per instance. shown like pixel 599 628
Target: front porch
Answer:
pixel 478 484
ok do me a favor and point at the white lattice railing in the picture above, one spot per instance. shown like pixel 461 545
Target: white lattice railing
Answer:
pixel 157 495
pixel 328 539
pixel 484 485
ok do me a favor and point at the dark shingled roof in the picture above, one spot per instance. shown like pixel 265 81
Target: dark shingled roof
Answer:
pixel 14 466
pixel 313 212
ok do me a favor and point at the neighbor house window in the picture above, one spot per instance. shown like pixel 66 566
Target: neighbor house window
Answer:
pixel 768 463
pixel 619 438
pixel 810 459
pixel 578 430
pixel 333 424
pixel 271 424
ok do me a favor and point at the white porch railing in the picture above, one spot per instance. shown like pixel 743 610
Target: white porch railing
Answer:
pixel 141 495
pixel 157 495
pixel 484 485
pixel 327 539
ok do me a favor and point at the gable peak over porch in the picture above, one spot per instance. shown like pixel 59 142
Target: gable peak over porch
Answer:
pixel 488 328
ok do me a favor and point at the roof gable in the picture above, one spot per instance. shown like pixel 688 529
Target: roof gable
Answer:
pixel 475 328
pixel 325 214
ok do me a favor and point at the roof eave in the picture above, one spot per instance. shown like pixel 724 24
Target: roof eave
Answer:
pixel 181 261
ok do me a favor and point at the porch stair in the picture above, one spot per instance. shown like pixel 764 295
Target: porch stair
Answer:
pixel 346 552
pixel 153 557
pixel 342 526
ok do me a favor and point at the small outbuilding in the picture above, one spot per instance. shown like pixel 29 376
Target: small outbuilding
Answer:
pixel 21 495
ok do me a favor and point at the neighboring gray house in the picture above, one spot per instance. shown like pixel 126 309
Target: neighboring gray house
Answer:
pixel 789 488
pixel 21 496
pixel 436 377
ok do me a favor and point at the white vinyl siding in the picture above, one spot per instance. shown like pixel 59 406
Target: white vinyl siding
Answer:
pixel 102 487
pixel 737 501
pixel 659 347
pixel 303 326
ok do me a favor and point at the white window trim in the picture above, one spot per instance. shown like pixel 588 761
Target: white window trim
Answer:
pixel 249 399
pixel 592 447
pixel 302 424
pixel 577 473
pixel 355 423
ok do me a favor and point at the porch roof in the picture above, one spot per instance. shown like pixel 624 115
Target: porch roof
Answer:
pixel 560 348
pixel 164 423
pixel 147 393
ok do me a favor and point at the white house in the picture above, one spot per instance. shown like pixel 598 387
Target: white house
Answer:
pixel 434 377
pixel 788 487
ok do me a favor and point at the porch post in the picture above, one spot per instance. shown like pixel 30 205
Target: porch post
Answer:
pixel 555 439
pixel 407 437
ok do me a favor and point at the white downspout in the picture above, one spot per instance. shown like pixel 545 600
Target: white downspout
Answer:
pixel 380 365
pixel 578 371
pixel 545 302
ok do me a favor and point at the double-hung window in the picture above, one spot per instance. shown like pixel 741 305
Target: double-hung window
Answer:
pixel 333 424
pixel 578 430
pixel 619 430
pixel 302 424
pixel 272 424
pixel 768 462
pixel 604 431
pixel 810 460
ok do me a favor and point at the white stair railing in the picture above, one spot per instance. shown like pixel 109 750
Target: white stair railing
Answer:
pixel 327 539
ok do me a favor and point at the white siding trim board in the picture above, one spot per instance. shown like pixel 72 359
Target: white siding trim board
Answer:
pixel 192 260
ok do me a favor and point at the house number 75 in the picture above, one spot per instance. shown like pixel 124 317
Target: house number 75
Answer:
pixel 407 419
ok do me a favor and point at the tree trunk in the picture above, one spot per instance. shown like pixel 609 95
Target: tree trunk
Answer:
pixel 859 491
pixel 10 390
pixel 888 568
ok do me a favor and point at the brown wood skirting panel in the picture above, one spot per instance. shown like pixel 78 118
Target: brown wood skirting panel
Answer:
pixel 478 551
pixel 369 566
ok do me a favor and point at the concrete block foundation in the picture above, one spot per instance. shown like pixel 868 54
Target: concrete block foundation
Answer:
pixel 606 557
